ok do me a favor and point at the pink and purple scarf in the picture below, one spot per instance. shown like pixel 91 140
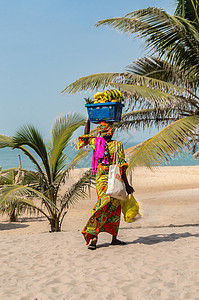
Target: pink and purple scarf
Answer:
pixel 98 153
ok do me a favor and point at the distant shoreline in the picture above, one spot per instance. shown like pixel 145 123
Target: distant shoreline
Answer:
pixel 9 159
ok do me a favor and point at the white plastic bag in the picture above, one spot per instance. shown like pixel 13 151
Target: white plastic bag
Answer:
pixel 116 187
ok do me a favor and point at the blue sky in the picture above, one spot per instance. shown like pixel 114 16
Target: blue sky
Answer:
pixel 47 44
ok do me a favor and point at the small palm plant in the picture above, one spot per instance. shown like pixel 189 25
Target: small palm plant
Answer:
pixel 14 207
pixel 43 185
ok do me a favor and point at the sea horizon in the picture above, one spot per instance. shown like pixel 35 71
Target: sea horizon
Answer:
pixel 9 158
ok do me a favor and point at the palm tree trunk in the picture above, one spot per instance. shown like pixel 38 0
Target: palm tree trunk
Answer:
pixel 55 224
pixel 12 215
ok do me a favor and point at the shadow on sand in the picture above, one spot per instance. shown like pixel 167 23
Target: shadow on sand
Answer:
pixel 104 245
pixel 9 226
pixel 32 219
pixel 20 223
pixel 159 238
pixel 155 239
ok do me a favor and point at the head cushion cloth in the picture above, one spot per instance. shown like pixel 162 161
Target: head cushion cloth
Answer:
pixel 105 128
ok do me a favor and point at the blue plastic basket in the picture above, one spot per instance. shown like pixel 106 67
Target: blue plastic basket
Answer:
pixel 109 111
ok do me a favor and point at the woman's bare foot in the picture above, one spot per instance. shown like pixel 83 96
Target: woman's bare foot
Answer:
pixel 115 241
pixel 93 243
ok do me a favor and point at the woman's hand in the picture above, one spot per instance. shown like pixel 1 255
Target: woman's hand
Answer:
pixel 129 189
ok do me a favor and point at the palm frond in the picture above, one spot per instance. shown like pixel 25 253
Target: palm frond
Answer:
pixel 34 180
pixel 9 191
pixel 12 196
pixel 4 171
pixel 169 141
pixel 103 80
pixel 146 118
pixel 14 209
pixel 62 132
pixel 173 36
pixel 157 68
pixel 135 88
pixel 93 82
pixel 7 177
pixel 196 154
pixel 34 161
pixel 188 10
pixel 153 96
pixel 77 191
pixel 80 155
pixel 5 141
pixel 28 135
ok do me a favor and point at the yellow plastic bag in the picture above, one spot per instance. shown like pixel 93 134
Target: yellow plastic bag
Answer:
pixel 130 209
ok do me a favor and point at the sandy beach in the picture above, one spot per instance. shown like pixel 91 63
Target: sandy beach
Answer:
pixel 159 261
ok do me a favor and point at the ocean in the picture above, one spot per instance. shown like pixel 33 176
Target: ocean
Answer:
pixel 9 158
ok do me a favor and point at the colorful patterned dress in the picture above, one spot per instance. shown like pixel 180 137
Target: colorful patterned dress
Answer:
pixel 106 212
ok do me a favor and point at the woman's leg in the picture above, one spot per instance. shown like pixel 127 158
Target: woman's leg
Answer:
pixel 115 241
pixel 93 243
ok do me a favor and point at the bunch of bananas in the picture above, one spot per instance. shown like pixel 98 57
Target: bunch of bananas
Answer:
pixel 108 96
pixel 98 97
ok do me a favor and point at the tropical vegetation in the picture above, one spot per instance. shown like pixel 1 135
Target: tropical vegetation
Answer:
pixel 12 208
pixel 40 189
pixel 161 89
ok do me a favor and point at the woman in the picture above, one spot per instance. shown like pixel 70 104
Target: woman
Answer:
pixel 106 213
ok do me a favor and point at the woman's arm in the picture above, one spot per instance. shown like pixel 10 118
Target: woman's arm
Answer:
pixel 129 188
pixel 87 127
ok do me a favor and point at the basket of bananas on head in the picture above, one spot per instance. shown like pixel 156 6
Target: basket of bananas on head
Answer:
pixel 105 106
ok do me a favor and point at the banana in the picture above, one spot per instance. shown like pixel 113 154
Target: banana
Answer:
pixel 98 95
pixel 108 96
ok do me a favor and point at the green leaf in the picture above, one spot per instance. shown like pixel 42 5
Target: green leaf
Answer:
pixel 146 118
pixel 62 132
pixel 135 88
pixel 169 141
pixel 9 191
pixel 28 135
pixel 172 37
pixel 5 141
pixel 152 95
pixel 196 154
pixel 77 191
pixel 188 10
pixel 157 68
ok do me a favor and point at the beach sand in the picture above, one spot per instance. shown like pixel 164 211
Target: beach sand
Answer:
pixel 160 260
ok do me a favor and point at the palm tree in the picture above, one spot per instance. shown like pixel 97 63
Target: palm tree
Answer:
pixel 161 89
pixel 50 161
pixel 14 207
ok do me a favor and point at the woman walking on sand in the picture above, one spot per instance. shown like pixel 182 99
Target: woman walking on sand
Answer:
pixel 106 213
